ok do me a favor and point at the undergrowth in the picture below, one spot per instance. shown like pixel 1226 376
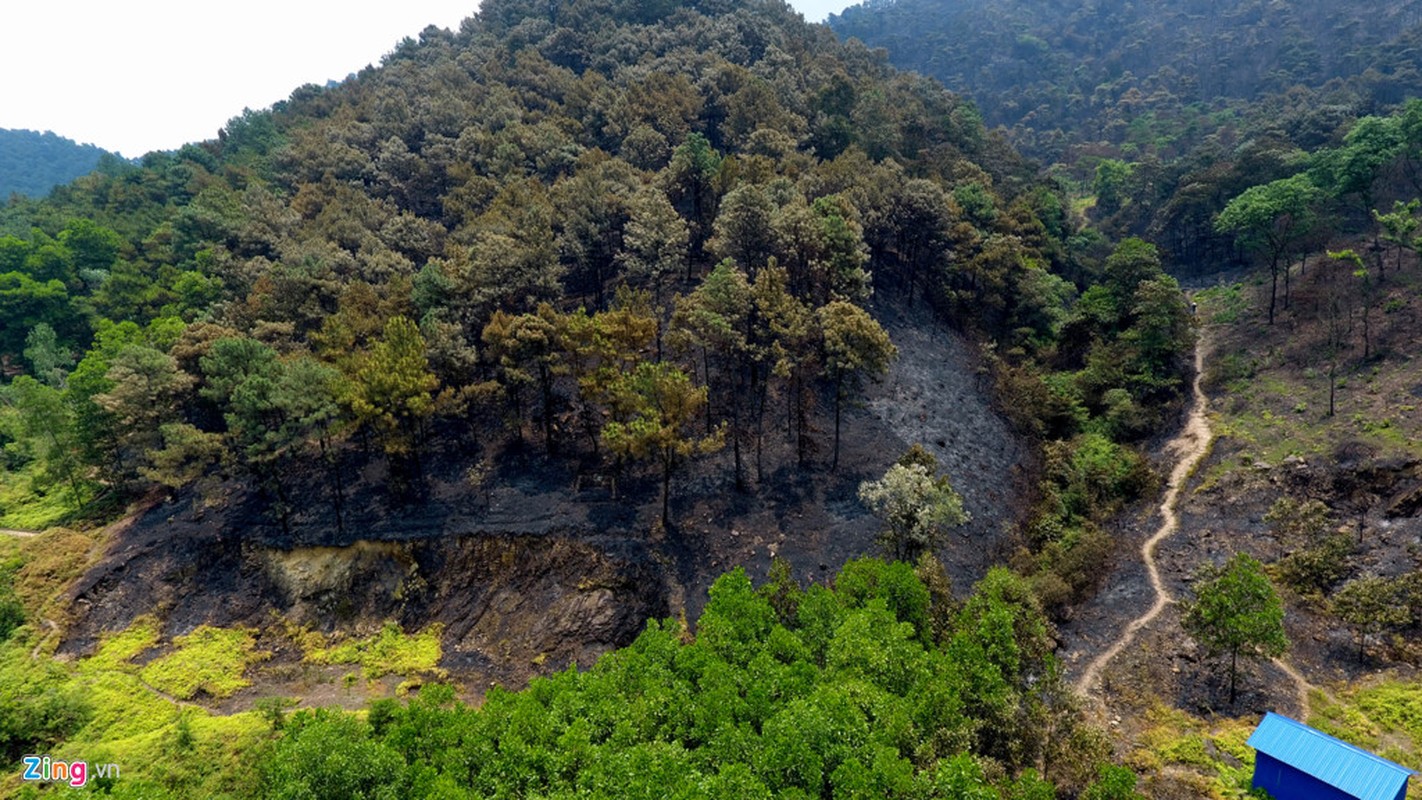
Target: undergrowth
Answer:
pixel 390 652
pixel 209 660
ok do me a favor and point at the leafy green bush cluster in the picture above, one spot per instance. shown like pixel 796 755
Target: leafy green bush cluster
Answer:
pixel 39 706
pixel 1114 374
pixel 840 692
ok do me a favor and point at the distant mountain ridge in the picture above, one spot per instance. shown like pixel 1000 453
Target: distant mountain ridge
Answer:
pixel 1058 69
pixel 1156 113
pixel 32 163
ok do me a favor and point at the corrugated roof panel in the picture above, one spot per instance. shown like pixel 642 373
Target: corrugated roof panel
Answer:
pixel 1332 761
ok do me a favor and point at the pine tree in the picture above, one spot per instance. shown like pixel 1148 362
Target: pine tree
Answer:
pixel 392 388
pixel 855 347
pixel 653 410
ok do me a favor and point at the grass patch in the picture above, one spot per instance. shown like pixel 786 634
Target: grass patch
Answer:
pixel 163 750
pixel 117 649
pixel 98 710
pixel 1384 717
pixel 1223 305
pixel 1214 750
pixel 27 505
pixel 51 562
pixel 390 652
pixel 211 660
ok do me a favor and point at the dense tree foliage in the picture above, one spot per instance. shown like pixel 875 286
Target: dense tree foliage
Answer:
pixel 782 692
pixel 640 233
pixel 32 163
pixel 1162 110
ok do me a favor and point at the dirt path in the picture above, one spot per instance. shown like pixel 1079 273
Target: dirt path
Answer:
pixel 1190 444
pixel 17 534
pixel 1304 687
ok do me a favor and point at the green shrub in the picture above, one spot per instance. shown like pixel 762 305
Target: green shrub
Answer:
pixel 1095 476
pixel 209 659
pixel 1313 570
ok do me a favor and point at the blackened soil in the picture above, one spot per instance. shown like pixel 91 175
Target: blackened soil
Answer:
pixel 553 560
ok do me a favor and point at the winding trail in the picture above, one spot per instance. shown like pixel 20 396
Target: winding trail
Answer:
pixel 18 534
pixel 1190 444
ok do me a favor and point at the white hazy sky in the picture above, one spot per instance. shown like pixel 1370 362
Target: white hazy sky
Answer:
pixel 149 75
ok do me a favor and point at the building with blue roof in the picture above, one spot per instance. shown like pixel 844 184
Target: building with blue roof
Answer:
pixel 1293 761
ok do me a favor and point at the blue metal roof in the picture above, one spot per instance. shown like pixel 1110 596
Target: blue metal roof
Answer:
pixel 1334 762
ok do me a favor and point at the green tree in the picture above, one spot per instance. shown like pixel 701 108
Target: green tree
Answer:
pixel 714 320
pixel 26 303
pixel 791 329
pixel 654 241
pixel 600 348
pixel 1370 144
pixel 392 389
pixel 917 509
pixel 230 362
pixel 529 351
pixel 653 408
pixel 1400 226
pixel 1001 659
pixel 593 211
pixel 744 229
pixel 855 347
pixel 188 456
pixel 309 394
pixel 918 223
pixel 49 423
pixel 146 387
pixel 1367 288
pixel 1271 218
pixel 49 360
pixel 1237 612
pixel 1371 605
pixel 689 184
pixel 1110 185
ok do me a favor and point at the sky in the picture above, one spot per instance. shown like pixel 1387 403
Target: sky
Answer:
pixel 137 75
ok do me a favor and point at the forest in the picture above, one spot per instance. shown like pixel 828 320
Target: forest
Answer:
pixel 651 246
pixel 625 260
pixel 32 163
pixel 1162 111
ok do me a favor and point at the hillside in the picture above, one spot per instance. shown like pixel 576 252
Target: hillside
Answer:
pixel 1157 113
pixel 32 163
pixel 1142 74
pixel 465 368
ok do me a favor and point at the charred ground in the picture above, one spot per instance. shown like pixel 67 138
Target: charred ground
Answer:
pixel 538 566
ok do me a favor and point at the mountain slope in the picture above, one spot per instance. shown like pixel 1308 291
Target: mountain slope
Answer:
pixel 464 368
pixel 32 163
pixel 1158 113
pixel 1059 71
